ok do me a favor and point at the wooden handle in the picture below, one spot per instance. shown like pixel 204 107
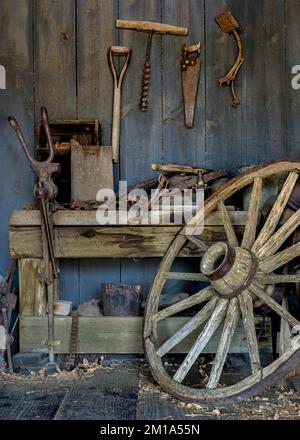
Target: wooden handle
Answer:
pixel 148 26
pixel 120 50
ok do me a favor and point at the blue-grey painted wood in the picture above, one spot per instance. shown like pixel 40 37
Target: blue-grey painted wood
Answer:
pixel 141 134
pixel 55 88
pixel 225 126
pixel 265 131
pixel 182 145
pixel 55 58
pixel 292 15
pixel 16 55
pixel 94 100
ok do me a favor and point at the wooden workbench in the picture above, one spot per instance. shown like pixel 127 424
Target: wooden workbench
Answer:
pixel 78 235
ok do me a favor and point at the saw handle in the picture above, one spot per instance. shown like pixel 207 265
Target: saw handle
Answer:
pixel 117 51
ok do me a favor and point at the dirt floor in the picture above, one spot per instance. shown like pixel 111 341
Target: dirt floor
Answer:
pixel 123 391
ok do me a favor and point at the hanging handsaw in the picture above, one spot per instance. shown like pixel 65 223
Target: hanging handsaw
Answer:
pixel 190 73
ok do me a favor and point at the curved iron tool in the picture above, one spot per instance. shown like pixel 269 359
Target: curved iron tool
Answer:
pixel 229 24
pixel 45 189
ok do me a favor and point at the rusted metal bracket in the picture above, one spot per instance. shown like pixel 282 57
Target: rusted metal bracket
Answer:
pixel 229 24
pixel 190 74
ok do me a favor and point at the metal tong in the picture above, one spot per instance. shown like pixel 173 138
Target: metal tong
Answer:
pixel 44 190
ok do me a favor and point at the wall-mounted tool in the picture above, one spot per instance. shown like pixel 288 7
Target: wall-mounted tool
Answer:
pixel 44 190
pixel 190 74
pixel 125 52
pixel 229 24
pixel 151 27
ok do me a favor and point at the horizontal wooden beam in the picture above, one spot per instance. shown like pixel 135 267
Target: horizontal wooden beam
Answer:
pixel 122 335
pixel 110 242
pixel 88 218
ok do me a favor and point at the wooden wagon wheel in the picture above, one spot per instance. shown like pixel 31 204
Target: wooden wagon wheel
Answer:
pixel 239 273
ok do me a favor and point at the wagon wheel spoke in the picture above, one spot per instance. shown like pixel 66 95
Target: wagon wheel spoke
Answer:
pixel 276 212
pixel 280 236
pixel 246 304
pixel 198 298
pixel 274 305
pixel 188 328
pixel 231 320
pixel 202 340
pixel 277 279
pixel 253 214
pixel 184 276
pixel 280 259
pixel 199 243
pixel 231 237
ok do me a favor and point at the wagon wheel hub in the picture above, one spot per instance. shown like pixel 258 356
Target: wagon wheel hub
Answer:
pixel 230 269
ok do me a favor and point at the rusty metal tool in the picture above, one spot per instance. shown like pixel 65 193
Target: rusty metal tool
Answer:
pixel 229 24
pixel 74 337
pixel 44 190
pixel 118 51
pixel 151 27
pixel 190 74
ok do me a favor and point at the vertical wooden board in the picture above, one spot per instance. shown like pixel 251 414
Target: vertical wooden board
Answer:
pixel 55 87
pixel 182 145
pixel 32 291
pixel 225 126
pixel 55 58
pixel 141 135
pixel 292 28
pixel 264 74
pixel 96 32
pixel 16 55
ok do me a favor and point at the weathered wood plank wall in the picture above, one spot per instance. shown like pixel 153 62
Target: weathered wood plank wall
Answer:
pixel 55 55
